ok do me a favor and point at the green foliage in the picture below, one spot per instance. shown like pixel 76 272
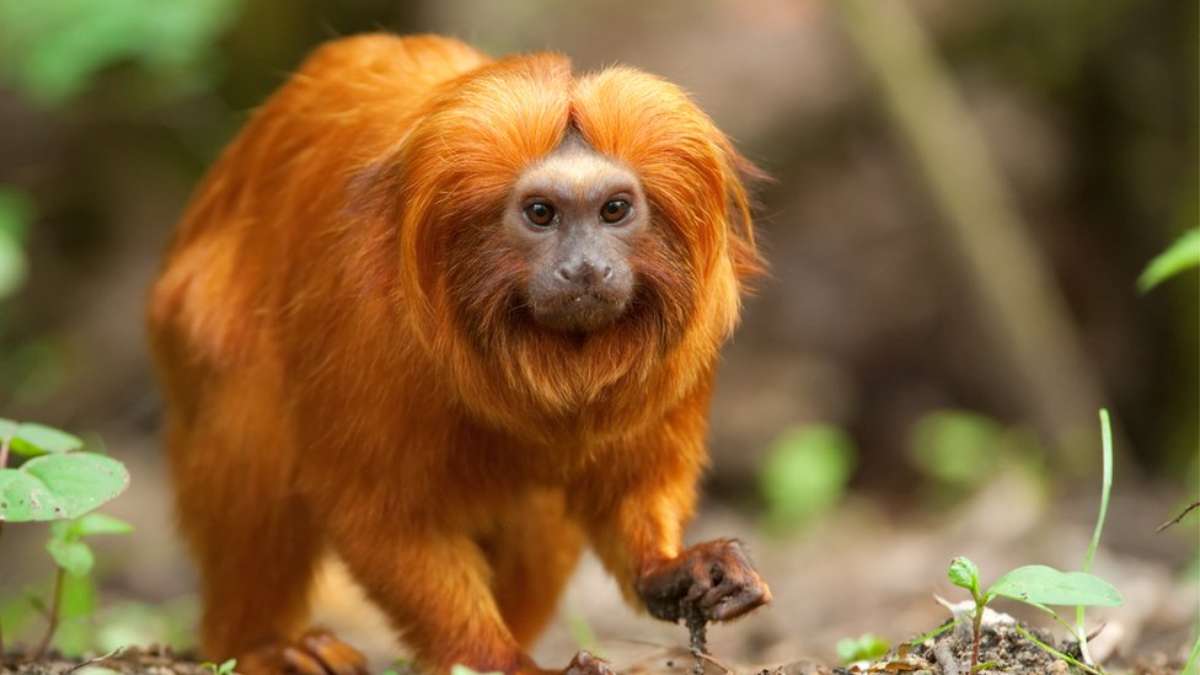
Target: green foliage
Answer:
pixel 1183 255
pixel 956 447
pixel 32 439
pixel 581 631
pixel 1040 585
pixel 1037 585
pixel 16 211
pixel 76 608
pixel 805 473
pixel 965 574
pixel 51 50
pixel 54 487
pixel 66 544
pixel 1193 660
pixel 223 668
pixel 867 646
pixel 62 485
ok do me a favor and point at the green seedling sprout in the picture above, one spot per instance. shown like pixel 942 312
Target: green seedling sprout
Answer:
pixel 867 646
pixel 58 483
pixel 223 668
pixel 1041 586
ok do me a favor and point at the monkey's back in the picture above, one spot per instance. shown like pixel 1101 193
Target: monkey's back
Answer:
pixel 289 176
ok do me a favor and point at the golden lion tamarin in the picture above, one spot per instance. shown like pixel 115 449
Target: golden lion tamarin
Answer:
pixel 452 318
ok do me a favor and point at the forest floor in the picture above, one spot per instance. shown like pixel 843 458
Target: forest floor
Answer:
pixel 867 567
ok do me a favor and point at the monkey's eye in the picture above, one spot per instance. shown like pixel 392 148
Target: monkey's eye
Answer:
pixel 540 214
pixel 614 210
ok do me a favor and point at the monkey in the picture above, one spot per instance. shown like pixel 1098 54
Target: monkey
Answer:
pixel 452 318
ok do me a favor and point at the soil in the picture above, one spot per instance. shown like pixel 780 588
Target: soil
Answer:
pixel 1006 650
pixel 131 660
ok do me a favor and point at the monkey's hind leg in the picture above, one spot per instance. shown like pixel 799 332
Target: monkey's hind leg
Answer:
pixel 256 545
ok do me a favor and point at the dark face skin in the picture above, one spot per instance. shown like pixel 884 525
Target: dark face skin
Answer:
pixel 574 216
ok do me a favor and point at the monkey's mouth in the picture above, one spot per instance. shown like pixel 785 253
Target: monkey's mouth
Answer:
pixel 584 311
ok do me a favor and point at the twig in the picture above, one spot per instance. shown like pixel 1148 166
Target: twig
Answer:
pixel 1175 521
pixel 716 662
pixel 945 658
pixel 55 600
pixel 698 640
pixel 98 659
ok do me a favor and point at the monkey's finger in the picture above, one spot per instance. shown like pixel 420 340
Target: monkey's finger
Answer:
pixel 746 599
pixel 336 656
pixel 729 586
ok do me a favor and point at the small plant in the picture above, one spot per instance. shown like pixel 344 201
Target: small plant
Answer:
pixel 223 668
pixel 56 482
pixel 805 474
pixel 1041 586
pixel 865 647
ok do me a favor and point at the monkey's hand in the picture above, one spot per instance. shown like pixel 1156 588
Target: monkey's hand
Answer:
pixel 713 581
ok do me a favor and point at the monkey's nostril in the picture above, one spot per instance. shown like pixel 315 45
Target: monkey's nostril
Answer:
pixel 564 273
pixel 608 272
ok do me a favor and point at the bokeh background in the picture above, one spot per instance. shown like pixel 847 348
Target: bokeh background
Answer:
pixel 964 195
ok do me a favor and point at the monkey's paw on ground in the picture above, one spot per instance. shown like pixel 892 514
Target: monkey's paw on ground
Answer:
pixel 317 652
pixel 714 581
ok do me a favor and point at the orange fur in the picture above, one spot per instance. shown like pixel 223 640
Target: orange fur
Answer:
pixel 342 370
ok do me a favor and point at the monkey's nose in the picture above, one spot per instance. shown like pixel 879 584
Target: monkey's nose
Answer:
pixel 584 272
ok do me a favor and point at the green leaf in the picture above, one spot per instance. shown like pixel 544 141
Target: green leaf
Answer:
pixel 74 556
pixel 867 646
pixel 1042 585
pixel 1182 255
pixel 99 523
pixel 34 439
pixel 964 574
pixel 13 266
pixel 956 447
pixel 57 487
pixel 805 473
pixel 16 211
pixel 52 50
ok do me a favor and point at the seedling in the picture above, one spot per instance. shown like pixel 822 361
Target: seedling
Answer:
pixel 1041 586
pixel 224 668
pixel 58 483
pixel 867 646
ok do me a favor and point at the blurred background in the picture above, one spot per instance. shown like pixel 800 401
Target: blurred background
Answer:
pixel 964 195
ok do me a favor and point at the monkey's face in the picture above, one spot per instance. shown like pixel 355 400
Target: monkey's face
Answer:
pixel 574 219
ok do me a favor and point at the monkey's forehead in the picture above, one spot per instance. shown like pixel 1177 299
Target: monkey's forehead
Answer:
pixel 576 172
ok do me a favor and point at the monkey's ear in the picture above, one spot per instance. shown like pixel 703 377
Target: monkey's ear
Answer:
pixel 744 179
